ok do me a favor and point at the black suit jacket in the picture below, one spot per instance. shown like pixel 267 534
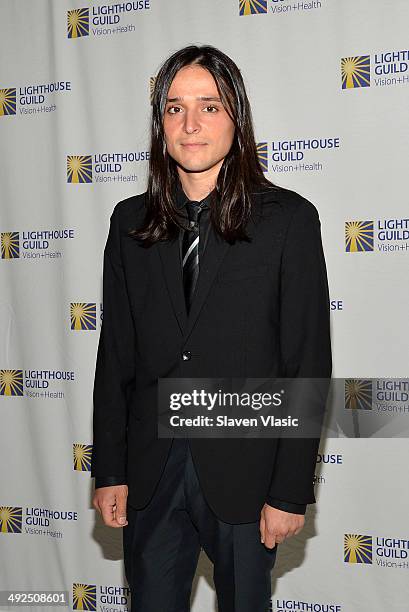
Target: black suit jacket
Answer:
pixel 260 309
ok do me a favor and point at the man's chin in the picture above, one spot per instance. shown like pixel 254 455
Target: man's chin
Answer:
pixel 195 167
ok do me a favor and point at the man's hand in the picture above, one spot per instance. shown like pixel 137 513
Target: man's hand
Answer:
pixel 276 525
pixel 111 503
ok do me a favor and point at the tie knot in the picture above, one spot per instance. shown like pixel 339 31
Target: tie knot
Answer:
pixel 193 210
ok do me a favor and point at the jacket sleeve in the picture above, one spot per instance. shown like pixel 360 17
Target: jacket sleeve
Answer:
pixel 109 481
pixel 305 346
pixel 286 506
pixel 115 366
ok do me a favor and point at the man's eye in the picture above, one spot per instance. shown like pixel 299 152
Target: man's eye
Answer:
pixel 173 110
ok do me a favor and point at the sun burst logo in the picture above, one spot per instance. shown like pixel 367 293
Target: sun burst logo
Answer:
pixel 252 7
pixel 358 236
pixel 10 245
pixel 83 315
pixel 358 394
pixel 262 153
pixel 357 548
pixel 356 71
pixel 84 596
pixel 82 457
pixel 11 382
pixel 78 23
pixel 11 518
pixel 152 81
pixel 79 169
pixel 7 101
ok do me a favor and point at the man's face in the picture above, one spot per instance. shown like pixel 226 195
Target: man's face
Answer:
pixel 198 131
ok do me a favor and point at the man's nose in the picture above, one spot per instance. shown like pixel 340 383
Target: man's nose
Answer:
pixel 191 123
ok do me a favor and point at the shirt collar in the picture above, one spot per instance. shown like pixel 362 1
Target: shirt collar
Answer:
pixel 181 198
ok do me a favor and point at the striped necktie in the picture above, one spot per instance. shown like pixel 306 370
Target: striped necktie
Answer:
pixel 190 252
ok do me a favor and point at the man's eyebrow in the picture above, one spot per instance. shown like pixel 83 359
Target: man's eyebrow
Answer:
pixel 201 98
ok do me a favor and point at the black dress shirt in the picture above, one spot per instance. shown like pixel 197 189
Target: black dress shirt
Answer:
pixel 204 222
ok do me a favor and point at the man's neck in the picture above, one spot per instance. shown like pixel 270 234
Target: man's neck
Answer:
pixel 198 185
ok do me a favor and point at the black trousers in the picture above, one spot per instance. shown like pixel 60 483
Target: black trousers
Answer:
pixel 162 542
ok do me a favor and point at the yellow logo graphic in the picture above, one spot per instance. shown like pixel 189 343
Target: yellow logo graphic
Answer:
pixel 84 596
pixel 11 382
pixel 11 518
pixel 82 457
pixel 10 245
pixel 358 394
pixel 8 101
pixel 79 169
pixel 357 548
pixel 358 236
pixel 83 315
pixel 262 153
pixel 151 87
pixel 356 71
pixel 78 23
pixel 252 7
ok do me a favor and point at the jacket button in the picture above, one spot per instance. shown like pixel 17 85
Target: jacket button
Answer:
pixel 186 355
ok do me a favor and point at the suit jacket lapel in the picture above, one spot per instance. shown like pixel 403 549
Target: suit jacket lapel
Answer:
pixel 172 273
pixel 216 249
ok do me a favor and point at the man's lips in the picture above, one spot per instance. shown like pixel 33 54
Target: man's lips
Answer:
pixel 193 145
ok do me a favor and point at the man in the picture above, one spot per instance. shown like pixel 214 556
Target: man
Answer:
pixel 213 272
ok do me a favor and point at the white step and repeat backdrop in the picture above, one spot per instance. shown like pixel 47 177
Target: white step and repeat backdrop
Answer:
pixel 329 83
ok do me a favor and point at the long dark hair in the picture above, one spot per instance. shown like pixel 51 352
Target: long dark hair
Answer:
pixel 240 174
